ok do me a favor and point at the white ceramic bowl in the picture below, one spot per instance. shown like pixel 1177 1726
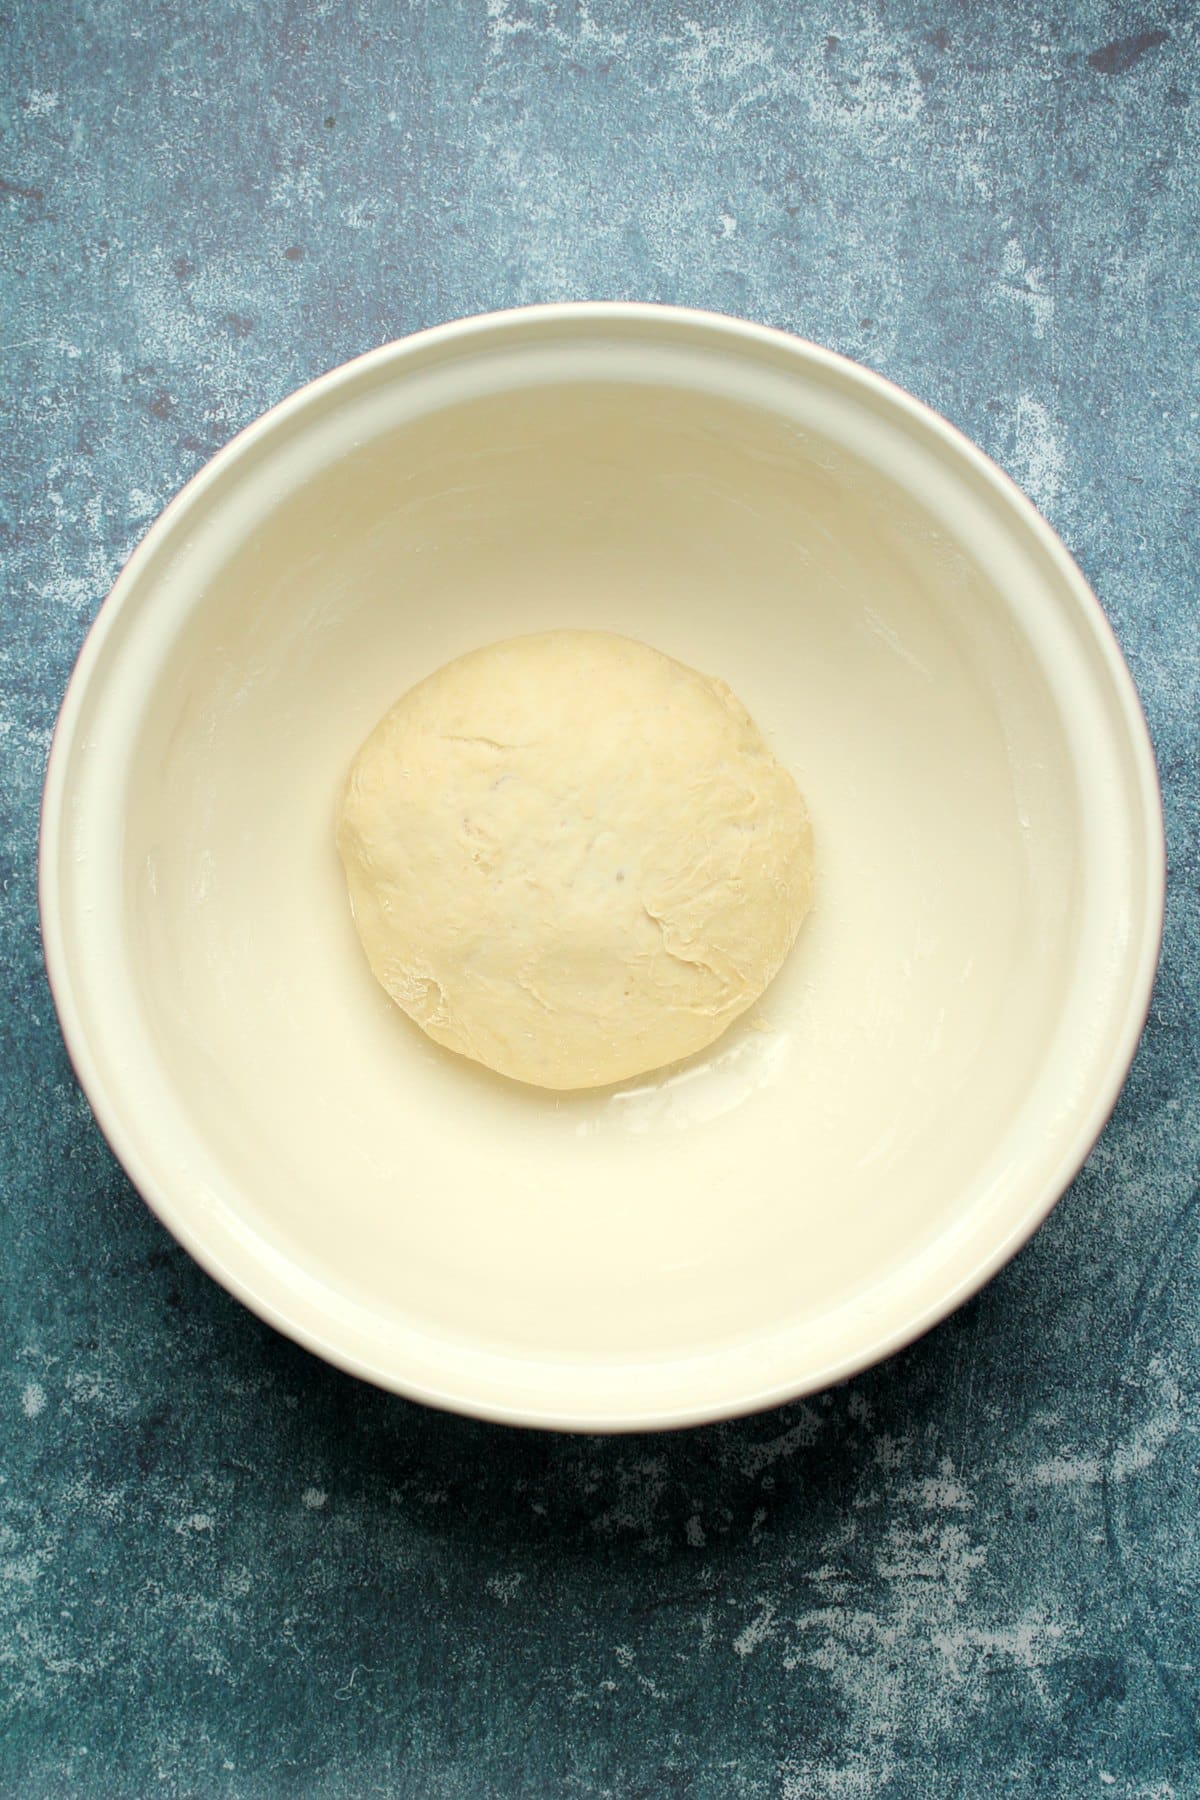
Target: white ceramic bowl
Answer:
pixel 917 1087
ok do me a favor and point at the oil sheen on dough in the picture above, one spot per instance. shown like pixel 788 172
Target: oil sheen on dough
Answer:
pixel 572 858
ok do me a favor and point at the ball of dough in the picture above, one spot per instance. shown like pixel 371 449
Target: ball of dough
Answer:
pixel 572 858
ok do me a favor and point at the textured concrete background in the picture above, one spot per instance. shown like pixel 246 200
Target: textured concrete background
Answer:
pixel 226 1570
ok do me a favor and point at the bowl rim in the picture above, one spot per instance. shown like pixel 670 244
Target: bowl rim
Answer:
pixel 1143 953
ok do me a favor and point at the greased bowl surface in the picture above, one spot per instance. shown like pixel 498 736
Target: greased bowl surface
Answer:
pixel 915 1089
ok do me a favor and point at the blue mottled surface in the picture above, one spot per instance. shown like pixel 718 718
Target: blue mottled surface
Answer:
pixel 226 1570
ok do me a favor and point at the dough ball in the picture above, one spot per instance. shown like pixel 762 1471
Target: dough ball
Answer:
pixel 572 858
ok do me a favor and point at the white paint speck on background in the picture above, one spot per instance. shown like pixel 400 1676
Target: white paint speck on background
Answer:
pixel 1024 283
pixel 757 1631
pixel 1040 462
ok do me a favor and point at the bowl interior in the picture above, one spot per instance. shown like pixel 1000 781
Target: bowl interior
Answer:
pixel 897 1109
